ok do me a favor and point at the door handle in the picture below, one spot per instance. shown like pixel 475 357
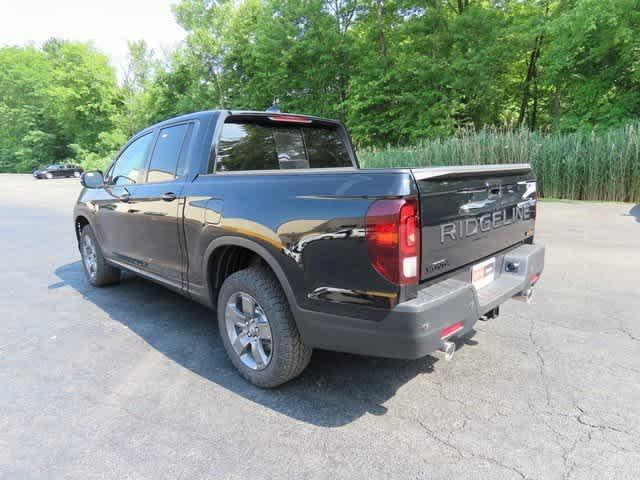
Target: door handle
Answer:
pixel 169 197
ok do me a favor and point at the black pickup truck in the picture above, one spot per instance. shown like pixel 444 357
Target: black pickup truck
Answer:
pixel 268 219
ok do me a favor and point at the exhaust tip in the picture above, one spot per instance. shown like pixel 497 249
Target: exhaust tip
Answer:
pixel 524 296
pixel 449 349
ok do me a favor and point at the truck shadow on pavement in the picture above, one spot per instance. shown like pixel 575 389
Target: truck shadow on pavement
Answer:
pixel 334 390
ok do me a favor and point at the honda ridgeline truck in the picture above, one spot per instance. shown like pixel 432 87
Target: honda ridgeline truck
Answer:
pixel 267 219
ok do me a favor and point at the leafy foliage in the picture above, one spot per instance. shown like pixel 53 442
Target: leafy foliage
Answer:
pixel 51 99
pixel 401 71
pixel 398 72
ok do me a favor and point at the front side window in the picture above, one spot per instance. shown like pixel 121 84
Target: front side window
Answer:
pixel 164 160
pixel 264 146
pixel 130 162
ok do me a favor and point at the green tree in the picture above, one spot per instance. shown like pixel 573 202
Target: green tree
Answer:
pixel 592 63
pixel 83 92
pixel 51 98
pixel 137 78
pixel 397 71
pixel 28 133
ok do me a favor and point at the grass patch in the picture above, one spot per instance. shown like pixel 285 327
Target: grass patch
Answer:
pixel 595 165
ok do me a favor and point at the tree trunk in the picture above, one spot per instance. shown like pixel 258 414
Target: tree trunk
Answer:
pixel 534 110
pixel 556 107
pixel 382 44
pixel 531 72
pixel 219 89
pixel 462 6
pixel 132 113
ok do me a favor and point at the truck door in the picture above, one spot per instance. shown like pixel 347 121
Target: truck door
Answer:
pixel 116 210
pixel 155 240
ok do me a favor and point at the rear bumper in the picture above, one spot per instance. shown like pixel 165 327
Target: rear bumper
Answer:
pixel 413 329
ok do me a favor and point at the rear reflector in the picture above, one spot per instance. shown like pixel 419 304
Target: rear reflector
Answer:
pixel 450 330
pixel 290 119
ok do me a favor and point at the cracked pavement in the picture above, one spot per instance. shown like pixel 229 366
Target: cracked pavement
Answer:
pixel 132 381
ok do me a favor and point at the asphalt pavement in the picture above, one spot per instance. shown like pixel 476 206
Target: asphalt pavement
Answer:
pixel 132 381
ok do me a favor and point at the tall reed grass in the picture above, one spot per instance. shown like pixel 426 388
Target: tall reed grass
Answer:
pixel 597 165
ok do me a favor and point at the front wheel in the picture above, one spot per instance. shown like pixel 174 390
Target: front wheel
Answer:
pixel 258 329
pixel 49 176
pixel 76 174
pixel 96 268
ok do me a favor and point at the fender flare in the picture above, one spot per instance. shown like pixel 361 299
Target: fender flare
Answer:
pixel 262 252
pixel 86 215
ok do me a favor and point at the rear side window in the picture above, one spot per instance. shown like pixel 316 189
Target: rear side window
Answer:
pixel 325 148
pixel 264 146
pixel 166 153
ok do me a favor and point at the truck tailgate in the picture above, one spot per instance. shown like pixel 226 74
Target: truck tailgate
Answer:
pixel 470 213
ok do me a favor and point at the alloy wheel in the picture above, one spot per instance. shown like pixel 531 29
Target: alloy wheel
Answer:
pixel 248 331
pixel 89 257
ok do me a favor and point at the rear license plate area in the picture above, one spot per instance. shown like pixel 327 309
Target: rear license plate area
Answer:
pixel 483 273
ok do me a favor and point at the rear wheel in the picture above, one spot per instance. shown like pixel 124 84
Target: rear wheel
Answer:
pixel 258 330
pixel 95 267
pixel 76 174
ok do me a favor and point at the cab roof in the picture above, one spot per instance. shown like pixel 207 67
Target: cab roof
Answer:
pixel 207 114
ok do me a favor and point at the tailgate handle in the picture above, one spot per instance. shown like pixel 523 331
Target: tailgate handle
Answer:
pixel 473 207
pixel 494 190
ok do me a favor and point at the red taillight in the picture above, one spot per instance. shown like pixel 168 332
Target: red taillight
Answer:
pixel 393 239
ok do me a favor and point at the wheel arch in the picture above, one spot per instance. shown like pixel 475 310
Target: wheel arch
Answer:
pixel 221 246
pixel 79 223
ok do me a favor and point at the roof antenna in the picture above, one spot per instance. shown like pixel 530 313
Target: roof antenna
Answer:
pixel 275 106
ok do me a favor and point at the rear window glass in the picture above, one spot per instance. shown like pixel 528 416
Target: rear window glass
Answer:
pixel 257 146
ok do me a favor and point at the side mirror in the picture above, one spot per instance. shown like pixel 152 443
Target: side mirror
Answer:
pixel 92 179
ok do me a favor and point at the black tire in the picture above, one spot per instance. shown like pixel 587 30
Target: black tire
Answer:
pixel 104 274
pixel 289 355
